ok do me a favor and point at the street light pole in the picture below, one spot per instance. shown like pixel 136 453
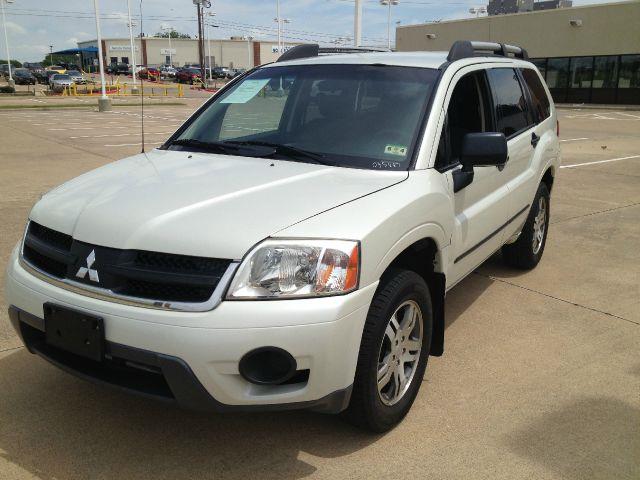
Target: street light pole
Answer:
pixel 104 103
pixel 388 3
pixel 169 28
pixel 279 28
pixel 208 34
pixel 284 20
pixel 6 37
pixel 133 47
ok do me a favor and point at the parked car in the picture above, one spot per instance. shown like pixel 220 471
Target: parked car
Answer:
pixel 57 69
pixel 118 69
pixel 189 75
pixel 77 77
pixel 149 73
pixel 218 72
pixel 167 71
pixel 238 71
pixel 301 260
pixel 60 81
pixel 22 76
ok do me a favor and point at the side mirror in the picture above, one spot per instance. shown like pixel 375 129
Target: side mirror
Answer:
pixel 483 150
pixel 479 150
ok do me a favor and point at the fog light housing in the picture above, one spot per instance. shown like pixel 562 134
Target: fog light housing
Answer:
pixel 267 366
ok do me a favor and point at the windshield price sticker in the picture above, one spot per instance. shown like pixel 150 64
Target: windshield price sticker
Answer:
pixel 398 150
pixel 245 91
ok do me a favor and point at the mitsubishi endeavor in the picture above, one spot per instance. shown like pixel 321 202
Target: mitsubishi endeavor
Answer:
pixel 291 245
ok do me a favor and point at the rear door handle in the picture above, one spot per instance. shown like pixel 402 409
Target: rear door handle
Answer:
pixel 534 139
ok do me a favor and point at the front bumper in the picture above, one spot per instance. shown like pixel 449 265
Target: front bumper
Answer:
pixel 197 353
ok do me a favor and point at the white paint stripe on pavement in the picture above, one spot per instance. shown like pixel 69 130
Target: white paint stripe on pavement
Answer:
pixel 133 144
pixel 121 135
pixel 599 161
pixel 574 139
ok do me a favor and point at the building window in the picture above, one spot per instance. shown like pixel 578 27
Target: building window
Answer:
pixel 541 63
pixel 629 71
pixel 557 72
pixel 605 72
pixel 125 60
pixel 581 72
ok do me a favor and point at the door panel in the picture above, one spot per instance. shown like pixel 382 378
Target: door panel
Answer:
pixel 479 217
pixel 479 208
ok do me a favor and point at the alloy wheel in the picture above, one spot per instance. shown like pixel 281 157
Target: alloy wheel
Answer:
pixel 399 352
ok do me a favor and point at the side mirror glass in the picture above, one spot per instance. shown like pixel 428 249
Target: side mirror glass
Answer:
pixel 483 150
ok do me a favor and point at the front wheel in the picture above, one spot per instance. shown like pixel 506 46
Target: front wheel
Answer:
pixel 526 252
pixel 393 352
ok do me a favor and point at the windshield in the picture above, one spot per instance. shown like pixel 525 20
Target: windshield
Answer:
pixel 362 116
pixel 61 77
pixel 73 72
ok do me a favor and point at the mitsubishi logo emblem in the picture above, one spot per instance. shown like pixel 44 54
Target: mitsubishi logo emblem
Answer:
pixel 93 274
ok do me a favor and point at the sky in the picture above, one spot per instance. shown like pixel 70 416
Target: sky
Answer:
pixel 33 25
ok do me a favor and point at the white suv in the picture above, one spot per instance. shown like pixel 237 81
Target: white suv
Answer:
pixel 290 246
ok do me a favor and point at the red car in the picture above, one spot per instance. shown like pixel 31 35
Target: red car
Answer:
pixel 149 73
pixel 189 75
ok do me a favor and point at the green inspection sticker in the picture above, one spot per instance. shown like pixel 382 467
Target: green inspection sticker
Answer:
pixel 398 150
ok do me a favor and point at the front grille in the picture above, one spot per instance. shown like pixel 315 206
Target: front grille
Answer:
pixel 152 276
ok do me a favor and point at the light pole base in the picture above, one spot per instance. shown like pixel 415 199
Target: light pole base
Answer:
pixel 104 104
pixel 12 83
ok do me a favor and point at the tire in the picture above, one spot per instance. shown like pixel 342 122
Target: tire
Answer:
pixel 525 253
pixel 377 409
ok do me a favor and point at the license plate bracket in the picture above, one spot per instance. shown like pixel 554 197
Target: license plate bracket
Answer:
pixel 74 332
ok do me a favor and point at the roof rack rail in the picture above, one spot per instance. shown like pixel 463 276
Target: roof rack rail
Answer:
pixel 466 49
pixel 308 50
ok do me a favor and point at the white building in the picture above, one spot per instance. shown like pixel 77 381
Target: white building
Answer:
pixel 236 52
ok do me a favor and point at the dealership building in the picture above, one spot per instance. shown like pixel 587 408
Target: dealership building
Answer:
pixel 236 52
pixel 587 54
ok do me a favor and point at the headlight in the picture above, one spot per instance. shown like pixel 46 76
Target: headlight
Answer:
pixel 297 268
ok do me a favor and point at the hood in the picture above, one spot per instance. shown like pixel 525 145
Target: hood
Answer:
pixel 199 204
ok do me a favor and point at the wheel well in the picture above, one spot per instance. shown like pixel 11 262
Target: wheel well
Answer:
pixel 547 178
pixel 422 258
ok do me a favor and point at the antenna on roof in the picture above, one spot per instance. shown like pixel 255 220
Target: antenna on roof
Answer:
pixel 141 87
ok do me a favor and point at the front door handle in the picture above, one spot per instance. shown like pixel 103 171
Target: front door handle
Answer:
pixel 534 139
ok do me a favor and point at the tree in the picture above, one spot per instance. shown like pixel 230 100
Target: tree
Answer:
pixel 14 63
pixel 172 34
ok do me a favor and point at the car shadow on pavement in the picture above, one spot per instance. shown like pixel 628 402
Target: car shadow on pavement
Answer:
pixel 53 425
pixel 591 438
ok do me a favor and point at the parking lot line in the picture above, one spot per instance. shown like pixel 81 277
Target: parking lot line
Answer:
pixel 121 135
pixel 133 144
pixel 599 161
pixel 574 139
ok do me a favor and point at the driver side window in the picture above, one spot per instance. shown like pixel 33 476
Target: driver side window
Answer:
pixel 469 111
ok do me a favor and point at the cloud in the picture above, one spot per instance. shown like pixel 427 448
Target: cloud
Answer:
pixel 14 28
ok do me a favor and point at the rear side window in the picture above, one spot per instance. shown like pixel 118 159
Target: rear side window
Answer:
pixel 509 101
pixel 539 99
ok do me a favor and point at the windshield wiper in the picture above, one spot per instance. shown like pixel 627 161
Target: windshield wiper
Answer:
pixel 224 147
pixel 288 151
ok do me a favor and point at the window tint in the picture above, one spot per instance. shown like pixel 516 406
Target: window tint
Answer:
pixel 557 72
pixel 629 71
pixel 509 101
pixel 541 63
pixel 581 72
pixel 605 72
pixel 468 112
pixel 539 99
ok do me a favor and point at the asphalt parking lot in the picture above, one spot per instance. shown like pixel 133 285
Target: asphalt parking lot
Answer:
pixel 540 377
